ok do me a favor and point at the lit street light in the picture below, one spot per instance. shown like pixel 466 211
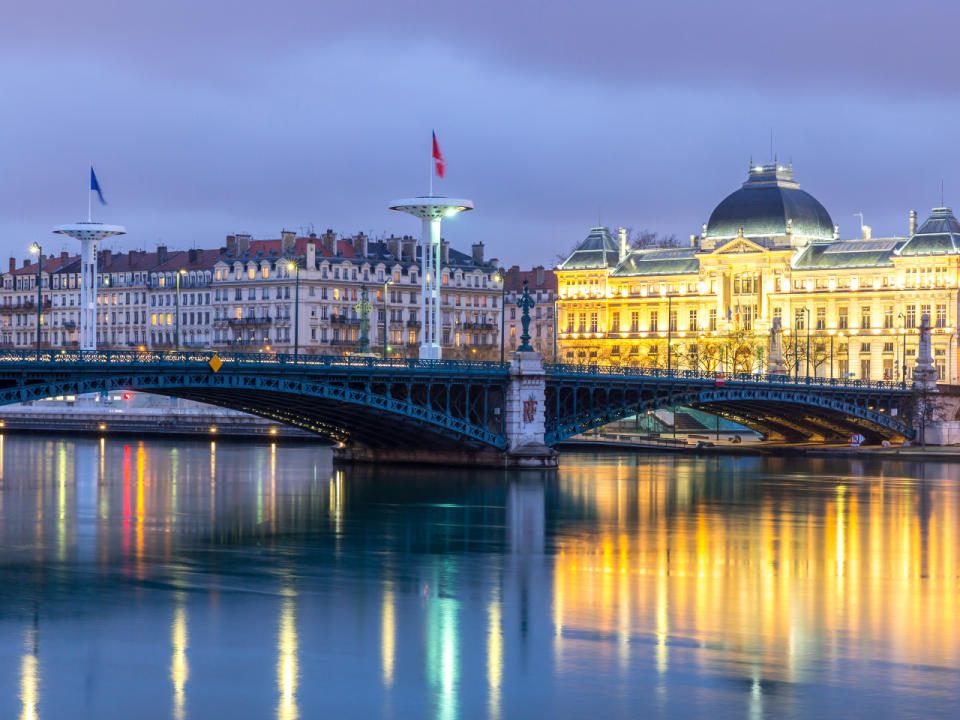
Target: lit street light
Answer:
pixel 179 273
pixel 385 284
pixel 38 251
pixel 294 266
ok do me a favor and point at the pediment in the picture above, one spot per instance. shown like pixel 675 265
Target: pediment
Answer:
pixel 738 246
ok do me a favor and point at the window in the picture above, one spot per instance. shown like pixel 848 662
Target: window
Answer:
pixel 842 317
pixel 799 319
pixel 888 317
pixel 941 315
pixel 925 310
pixel 634 321
pixel 653 321
pixel 673 321
pixel 692 321
pixel 911 317
pixel 865 317
pixel 582 327
pixel 713 320
pixel 614 322
pixel 593 322
pixel 821 318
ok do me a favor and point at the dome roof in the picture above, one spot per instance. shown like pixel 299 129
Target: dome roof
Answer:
pixel 766 204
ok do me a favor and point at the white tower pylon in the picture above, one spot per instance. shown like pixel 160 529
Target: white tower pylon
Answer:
pixel 431 210
pixel 89 234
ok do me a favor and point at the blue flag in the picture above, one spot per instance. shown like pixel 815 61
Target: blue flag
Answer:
pixel 95 186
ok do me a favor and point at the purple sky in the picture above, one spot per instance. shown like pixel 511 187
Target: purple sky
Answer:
pixel 251 117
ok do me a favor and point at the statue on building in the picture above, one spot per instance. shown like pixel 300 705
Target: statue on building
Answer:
pixel 775 353
pixel 925 374
pixel 525 302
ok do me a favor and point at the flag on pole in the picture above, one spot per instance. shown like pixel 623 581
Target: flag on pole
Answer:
pixel 95 186
pixel 438 158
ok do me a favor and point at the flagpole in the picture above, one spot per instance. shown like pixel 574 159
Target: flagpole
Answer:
pixel 431 169
pixel 89 199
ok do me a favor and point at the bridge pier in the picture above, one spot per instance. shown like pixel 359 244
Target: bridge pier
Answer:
pixel 525 414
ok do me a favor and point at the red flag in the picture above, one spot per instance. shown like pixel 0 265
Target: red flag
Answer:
pixel 438 157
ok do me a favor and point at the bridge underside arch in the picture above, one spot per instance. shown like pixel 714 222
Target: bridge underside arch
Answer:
pixel 374 414
pixel 785 414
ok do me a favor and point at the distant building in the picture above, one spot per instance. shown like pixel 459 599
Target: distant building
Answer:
pixel 542 286
pixel 242 297
pixel 769 251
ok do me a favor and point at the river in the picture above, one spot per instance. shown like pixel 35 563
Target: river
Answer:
pixel 196 579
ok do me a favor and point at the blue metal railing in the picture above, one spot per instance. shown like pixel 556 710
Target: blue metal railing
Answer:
pixel 561 369
pixel 193 357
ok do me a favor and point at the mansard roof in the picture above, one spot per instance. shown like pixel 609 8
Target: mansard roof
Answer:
pixel 878 252
pixel 598 250
pixel 939 235
pixel 666 261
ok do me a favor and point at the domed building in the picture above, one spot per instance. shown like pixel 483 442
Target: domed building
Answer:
pixel 769 255
pixel 770 207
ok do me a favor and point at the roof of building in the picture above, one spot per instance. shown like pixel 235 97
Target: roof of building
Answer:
pixel 51 263
pixel 537 279
pixel 196 259
pixel 668 261
pixel 598 250
pixel 848 254
pixel 768 204
pixel 939 235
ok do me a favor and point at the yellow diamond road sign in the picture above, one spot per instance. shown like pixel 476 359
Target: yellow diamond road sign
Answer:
pixel 216 363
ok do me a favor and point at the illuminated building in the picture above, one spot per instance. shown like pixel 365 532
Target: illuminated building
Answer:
pixel 770 250
pixel 242 297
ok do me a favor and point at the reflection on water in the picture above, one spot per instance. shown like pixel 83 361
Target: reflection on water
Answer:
pixel 230 579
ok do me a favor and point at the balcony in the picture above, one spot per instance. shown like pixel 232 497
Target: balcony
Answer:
pixel 344 320
pixel 235 322
pixel 485 327
pixel 414 324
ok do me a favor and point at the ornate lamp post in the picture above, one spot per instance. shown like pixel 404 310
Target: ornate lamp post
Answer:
pixel 363 310
pixel 525 302
pixel 294 266
pixel 38 251
pixel 807 311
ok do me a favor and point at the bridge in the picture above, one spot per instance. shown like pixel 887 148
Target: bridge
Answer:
pixel 457 411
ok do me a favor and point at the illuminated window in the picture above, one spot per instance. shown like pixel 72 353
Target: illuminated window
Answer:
pixel 251 273
pixel 265 272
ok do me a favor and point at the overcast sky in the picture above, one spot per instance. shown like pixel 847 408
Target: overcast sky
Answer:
pixel 252 117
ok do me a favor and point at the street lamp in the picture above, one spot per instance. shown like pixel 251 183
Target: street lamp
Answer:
pixel 179 273
pixel 669 326
pixel 807 311
pixel 555 321
pixel 832 333
pixel 502 275
pixel 294 266
pixel 38 251
pixel 903 354
pixel 385 284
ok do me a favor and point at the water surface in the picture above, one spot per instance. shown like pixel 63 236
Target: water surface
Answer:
pixel 199 580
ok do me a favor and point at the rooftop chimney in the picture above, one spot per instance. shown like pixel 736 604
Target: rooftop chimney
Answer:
pixel 867 231
pixel 408 248
pixel 477 249
pixel 13 264
pixel 394 246
pixel 288 239
pixel 105 257
pixel 693 241
pixel 913 222
pixel 193 255
pixel 329 242
pixel 243 243
pixel 539 270
pixel 311 255
pixel 360 244
pixel 444 252
pixel 623 243
pixel 161 254
pixel 26 262
pixel 232 244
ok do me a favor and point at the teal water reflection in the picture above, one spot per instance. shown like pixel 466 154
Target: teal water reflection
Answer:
pixel 208 579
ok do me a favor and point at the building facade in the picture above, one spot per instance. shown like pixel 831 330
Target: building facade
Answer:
pixel 259 295
pixel 542 286
pixel 848 308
